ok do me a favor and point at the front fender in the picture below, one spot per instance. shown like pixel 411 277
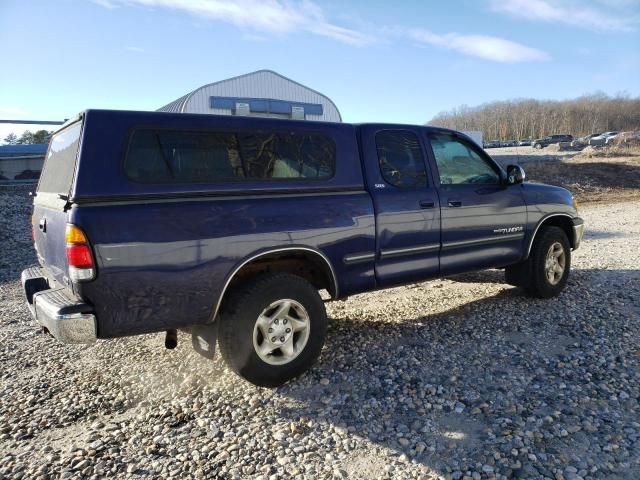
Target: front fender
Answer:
pixel 548 204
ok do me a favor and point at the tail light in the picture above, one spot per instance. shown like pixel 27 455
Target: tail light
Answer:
pixel 79 257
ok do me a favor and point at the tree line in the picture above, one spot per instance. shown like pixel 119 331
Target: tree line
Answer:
pixel 28 137
pixel 530 118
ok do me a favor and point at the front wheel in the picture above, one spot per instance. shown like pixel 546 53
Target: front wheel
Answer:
pixel 272 329
pixel 545 273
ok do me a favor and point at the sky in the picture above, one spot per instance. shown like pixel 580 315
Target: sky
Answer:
pixel 401 62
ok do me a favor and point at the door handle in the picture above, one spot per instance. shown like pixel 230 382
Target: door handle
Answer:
pixel 426 204
pixel 454 203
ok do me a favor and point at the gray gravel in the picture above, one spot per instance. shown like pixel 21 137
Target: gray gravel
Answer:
pixel 457 378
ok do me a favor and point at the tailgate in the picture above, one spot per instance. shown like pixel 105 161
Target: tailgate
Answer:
pixel 49 227
pixel 50 203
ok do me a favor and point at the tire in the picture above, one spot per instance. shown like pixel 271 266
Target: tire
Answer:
pixel 538 146
pixel 535 274
pixel 282 304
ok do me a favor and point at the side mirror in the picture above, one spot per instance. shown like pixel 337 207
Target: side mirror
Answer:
pixel 515 174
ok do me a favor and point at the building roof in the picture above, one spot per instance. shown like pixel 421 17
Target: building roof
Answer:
pixel 19 150
pixel 178 105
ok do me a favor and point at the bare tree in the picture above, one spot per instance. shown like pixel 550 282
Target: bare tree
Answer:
pixel 522 118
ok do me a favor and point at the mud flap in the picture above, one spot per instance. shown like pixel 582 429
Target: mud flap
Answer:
pixel 203 339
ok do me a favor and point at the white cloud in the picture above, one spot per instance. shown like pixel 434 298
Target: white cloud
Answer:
pixel 620 3
pixel 608 18
pixel 10 110
pixel 483 46
pixel 279 17
pixel 261 18
pixel 105 3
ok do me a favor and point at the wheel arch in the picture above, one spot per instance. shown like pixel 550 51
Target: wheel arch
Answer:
pixel 307 262
pixel 561 220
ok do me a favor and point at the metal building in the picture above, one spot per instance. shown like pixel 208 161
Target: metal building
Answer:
pixel 21 162
pixel 263 93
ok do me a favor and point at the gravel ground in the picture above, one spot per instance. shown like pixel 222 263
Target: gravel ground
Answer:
pixel 456 378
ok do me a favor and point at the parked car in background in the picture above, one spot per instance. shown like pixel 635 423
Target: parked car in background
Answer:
pixel 550 139
pixel 628 138
pixel 583 141
pixel 28 175
pixel 524 143
pixel 601 139
pixel 611 139
pixel 509 143
pixel 492 144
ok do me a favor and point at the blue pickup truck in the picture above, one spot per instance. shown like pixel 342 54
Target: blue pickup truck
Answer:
pixel 231 228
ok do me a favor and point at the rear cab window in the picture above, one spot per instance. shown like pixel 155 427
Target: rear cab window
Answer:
pixel 59 166
pixel 175 156
pixel 400 158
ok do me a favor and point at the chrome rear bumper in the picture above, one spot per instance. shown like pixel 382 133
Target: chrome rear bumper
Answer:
pixel 66 318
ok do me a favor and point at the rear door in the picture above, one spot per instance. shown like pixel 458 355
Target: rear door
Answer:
pixel 49 215
pixel 483 220
pixel 406 204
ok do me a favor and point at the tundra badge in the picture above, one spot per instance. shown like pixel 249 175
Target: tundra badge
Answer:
pixel 508 229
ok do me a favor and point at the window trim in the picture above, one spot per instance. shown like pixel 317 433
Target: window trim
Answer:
pixel 474 147
pixel 423 151
pixel 234 131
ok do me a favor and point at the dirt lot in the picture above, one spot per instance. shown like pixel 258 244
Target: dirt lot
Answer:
pixel 462 378
pixel 602 176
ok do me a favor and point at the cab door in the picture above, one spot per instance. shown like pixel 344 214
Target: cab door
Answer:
pixel 483 219
pixel 406 204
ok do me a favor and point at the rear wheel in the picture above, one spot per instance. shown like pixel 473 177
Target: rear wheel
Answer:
pixel 545 273
pixel 272 329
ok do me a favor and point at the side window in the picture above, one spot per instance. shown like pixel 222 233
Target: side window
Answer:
pixel 199 157
pixel 182 157
pixel 459 163
pixel 294 155
pixel 401 160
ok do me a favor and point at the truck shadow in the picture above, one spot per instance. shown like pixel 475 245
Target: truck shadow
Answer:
pixel 436 389
pixel 481 276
